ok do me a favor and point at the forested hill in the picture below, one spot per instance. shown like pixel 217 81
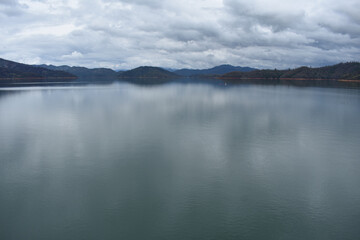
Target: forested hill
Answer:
pixel 148 72
pixel 218 70
pixel 14 70
pixel 341 71
pixel 84 72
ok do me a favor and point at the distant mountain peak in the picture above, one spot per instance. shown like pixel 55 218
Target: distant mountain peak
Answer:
pixel 147 72
pixel 217 70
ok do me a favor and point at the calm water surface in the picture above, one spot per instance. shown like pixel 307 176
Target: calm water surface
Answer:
pixel 179 161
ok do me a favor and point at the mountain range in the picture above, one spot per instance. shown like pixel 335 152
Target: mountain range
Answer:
pixel 83 72
pixel 14 70
pixel 342 71
pixel 146 71
pixel 218 70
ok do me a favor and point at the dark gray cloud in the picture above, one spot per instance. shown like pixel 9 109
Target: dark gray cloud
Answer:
pixel 11 8
pixel 124 34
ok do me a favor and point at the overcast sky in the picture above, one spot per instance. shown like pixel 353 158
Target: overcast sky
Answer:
pixel 123 34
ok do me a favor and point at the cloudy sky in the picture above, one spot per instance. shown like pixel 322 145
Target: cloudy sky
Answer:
pixel 123 34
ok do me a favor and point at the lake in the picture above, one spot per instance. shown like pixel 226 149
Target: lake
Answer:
pixel 179 161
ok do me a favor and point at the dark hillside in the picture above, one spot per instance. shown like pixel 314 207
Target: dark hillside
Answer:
pixel 218 70
pixel 147 72
pixel 341 71
pixel 10 69
pixel 84 72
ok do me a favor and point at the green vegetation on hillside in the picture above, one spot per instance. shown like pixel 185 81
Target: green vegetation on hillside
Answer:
pixel 341 71
pixel 84 72
pixel 11 71
pixel 14 70
pixel 148 72
pixel 218 70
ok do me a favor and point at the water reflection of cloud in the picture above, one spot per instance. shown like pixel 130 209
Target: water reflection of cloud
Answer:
pixel 179 147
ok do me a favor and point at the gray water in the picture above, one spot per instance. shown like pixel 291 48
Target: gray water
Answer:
pixel 179 161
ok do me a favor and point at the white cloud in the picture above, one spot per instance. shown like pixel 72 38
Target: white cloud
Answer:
pixel 73 55
pixel 202 33
pixel 60 30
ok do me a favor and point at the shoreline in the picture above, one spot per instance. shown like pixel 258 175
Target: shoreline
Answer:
pixel 37 78
pixel 292 79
